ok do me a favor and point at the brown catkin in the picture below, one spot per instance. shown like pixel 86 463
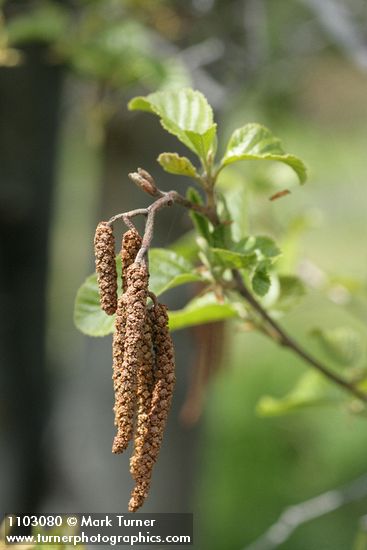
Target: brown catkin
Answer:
pixel 118 344
pixel 127 352
pixel 131 243
pixel 164 380
pixel 104 249
pixel 145 382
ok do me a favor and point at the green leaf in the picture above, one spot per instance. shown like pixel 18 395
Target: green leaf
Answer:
pixel 89 318
pixel 168 270
pixel 205 309
pixel 261 281
pixel 186 246
pixel 174 164
pixel 255 142
pixel 200 222
pixel 203 143
pixel 238 208
pixel 291 290
pixel 311 389
pixel 220 236
pixel 344 345
pixel 233 260
pixel 265 246
pixel 222 233
pixel 186 114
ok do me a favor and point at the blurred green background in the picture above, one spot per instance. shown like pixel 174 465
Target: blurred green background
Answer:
pixel 300 68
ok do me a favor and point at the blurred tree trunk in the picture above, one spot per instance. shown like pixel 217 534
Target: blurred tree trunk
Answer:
pixel 29 103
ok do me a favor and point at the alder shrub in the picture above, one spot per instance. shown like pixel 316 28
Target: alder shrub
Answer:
pixel 237 274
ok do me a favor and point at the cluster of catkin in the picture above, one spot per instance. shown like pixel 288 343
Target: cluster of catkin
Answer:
pixel 143 356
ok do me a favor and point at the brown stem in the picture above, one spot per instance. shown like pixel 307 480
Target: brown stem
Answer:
pixel 146 183
pixel 209 181
pixel 285 340
pixel 208 211
pixel 127 215
pixel 166 200
pixel 211 206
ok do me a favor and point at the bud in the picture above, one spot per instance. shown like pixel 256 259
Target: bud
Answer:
pixel 145 181
pixel 144 174
pixel 104 249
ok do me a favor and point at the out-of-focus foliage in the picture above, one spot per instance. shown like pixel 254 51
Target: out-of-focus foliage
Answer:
pixel 100 40
pixel 311 389
pixel 47 22
pixel 343 345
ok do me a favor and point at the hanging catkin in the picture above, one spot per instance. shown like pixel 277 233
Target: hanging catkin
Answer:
pixel 119 380
pixel 143 356
pixel 130 321
pixel 164 380
pixel 104 249
pixel 145 382
pixel 131 243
